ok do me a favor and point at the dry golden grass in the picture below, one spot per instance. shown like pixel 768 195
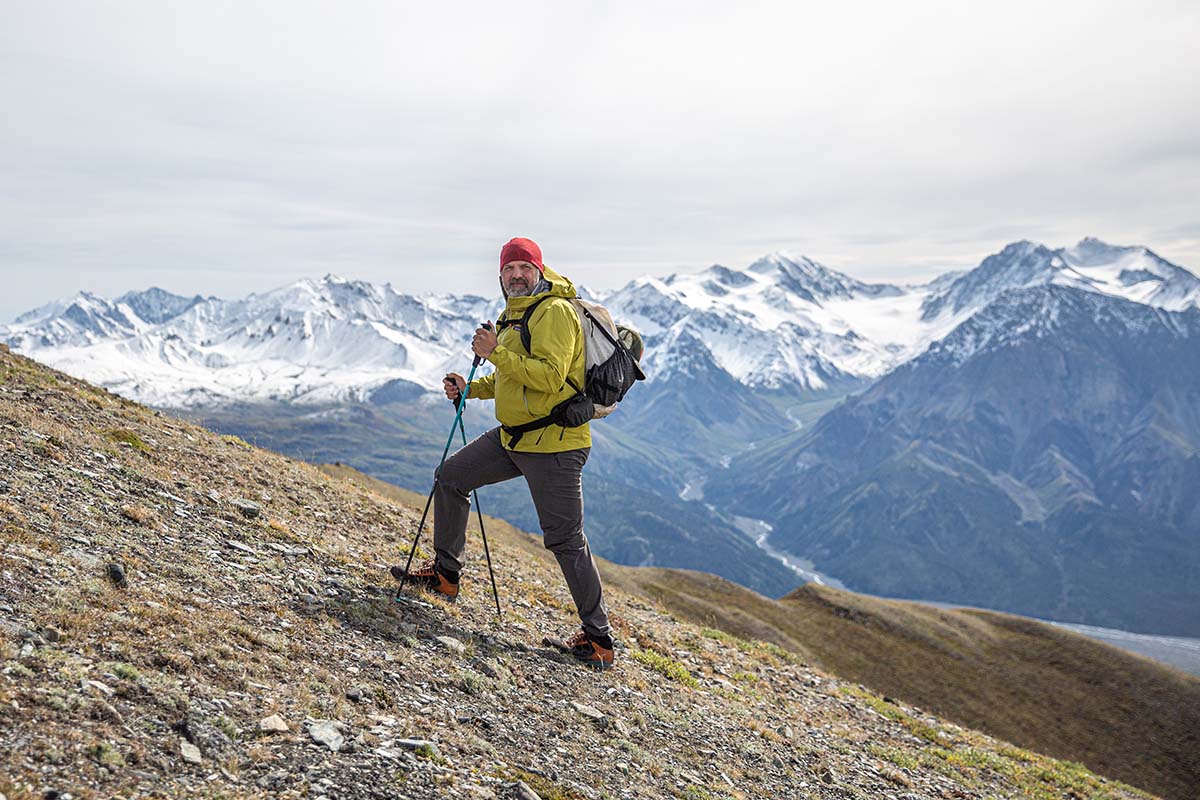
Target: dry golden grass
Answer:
pixel 1042 687
pixel 139 514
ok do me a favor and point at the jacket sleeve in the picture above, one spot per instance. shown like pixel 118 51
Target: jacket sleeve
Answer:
pixel 553 341
pixel 483 388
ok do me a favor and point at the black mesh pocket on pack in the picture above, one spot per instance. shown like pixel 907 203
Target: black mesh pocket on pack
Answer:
pixel 607 383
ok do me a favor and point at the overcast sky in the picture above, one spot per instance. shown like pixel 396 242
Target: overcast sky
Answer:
pixel 225 148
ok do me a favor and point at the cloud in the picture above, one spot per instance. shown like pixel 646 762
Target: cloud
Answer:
pixel 229 147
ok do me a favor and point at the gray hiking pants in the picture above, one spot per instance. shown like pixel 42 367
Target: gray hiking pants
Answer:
pixel 555 481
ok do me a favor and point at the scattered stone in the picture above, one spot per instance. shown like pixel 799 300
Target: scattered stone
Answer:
pixel 103 689
pixel 241 548
pixel 35 639
pixel 249 508
pixel 288 550
pixel 419 744
pixel 451 644
pixel 273 724
pixel 326 733
pixel 385 720
pixel 111 713
pixel 190 753
pixel 116 574
pixel 525 793
pixel 591 713
pixel 485 667
pixel 84 559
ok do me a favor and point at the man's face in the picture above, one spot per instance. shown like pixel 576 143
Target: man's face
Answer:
pixel 518 278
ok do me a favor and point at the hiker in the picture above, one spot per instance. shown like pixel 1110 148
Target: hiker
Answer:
pixel 526 385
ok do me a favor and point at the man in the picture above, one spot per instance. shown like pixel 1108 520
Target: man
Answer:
pixel 526 385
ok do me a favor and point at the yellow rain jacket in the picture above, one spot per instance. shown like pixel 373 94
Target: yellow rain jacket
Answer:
pixel 525 385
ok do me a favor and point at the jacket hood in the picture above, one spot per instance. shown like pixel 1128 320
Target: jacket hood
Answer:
pixel 560 286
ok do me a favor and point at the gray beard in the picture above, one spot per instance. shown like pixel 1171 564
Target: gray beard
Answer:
pixel 541 285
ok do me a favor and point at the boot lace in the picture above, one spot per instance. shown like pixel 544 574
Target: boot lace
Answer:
pixel 424 569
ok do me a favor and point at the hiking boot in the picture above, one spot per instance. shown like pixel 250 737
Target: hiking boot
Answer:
pixel 428 575
pixel 595 651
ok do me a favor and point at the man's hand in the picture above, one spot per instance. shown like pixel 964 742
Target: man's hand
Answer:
pixel 485 341
pixel 454 384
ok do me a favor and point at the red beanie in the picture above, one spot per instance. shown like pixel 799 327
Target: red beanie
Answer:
pixel 522 249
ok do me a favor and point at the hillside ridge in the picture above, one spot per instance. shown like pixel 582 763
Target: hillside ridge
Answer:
pixel 187 615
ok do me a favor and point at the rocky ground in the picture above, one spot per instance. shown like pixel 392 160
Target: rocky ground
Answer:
pixel 185 615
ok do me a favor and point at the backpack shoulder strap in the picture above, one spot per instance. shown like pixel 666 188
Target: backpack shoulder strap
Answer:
pixel 526 335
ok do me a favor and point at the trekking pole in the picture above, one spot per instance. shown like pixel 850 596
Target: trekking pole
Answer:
pixel 462 403
pixel 483 533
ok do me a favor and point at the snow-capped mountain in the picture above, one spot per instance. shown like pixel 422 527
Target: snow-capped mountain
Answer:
pixel 789 322
pixel 784 323
pixel 88 319
pixel 310 341
pixel 1131 273
pixel 1045 312
pixel 781 322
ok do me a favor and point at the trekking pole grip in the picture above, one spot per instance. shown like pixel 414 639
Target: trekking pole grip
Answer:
pixel 479 359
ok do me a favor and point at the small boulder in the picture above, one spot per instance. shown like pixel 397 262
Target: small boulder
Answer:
pixel 419 745
pixel 525 793
pixel 273 724
pixel 190 753
pixel 593 714
pixel 485 667
pixel 326 733
pixel 451 644
pixel 248 508
pixel 116 574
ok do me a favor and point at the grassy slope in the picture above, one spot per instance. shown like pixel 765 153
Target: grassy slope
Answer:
pixel 1031 683
pixel 229 617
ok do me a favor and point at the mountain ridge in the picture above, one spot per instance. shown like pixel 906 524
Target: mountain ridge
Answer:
pixel 784 323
